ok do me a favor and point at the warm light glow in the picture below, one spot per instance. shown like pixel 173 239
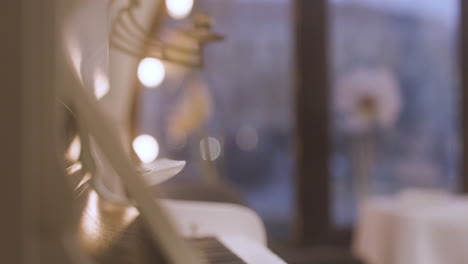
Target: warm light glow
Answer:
pixel 179 9
pixel 129 215
pixel 85 179
pixel 146 147
pixel 101 84
pixel 90 221
pixel 74 52
pixel 74 168
pixel 74 150
pixel 210 148
pixel 247 138
pixel 151 72
pixel 101 220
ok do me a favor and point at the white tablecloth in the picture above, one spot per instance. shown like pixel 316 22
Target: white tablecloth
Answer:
pixel 399 231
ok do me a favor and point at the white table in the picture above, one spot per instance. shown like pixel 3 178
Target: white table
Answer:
pixel 421 230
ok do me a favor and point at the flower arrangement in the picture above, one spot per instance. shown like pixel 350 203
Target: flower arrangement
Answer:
pixel 366 101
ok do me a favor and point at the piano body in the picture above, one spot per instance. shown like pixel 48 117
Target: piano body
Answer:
pixel 102 210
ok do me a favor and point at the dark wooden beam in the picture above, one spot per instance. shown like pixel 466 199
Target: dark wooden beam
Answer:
pixel 463 27
pixel 312 104
pixel 10 116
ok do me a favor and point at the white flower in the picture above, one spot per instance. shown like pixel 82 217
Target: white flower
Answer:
pixel 367 98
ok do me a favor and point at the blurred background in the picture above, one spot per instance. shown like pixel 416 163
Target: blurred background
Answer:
pixel 391 110
pixel 233 121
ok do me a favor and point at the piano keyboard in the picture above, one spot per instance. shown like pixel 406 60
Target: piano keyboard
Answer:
pixel 214 251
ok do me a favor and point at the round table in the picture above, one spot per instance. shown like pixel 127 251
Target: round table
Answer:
pixel 417 229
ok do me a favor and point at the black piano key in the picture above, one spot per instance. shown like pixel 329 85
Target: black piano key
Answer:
pixel 214 251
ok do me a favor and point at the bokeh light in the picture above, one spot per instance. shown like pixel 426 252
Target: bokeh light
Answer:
pixel 101 84
pixel 179 9
pixel 74 149
pixel 151 72
pixel 210 148
pixel 146 147
pixel 247 138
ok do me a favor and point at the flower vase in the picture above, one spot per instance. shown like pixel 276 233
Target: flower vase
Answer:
pixel 362 162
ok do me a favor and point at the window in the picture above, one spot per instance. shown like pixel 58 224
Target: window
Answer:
pixel 395 99
pixel 234 122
